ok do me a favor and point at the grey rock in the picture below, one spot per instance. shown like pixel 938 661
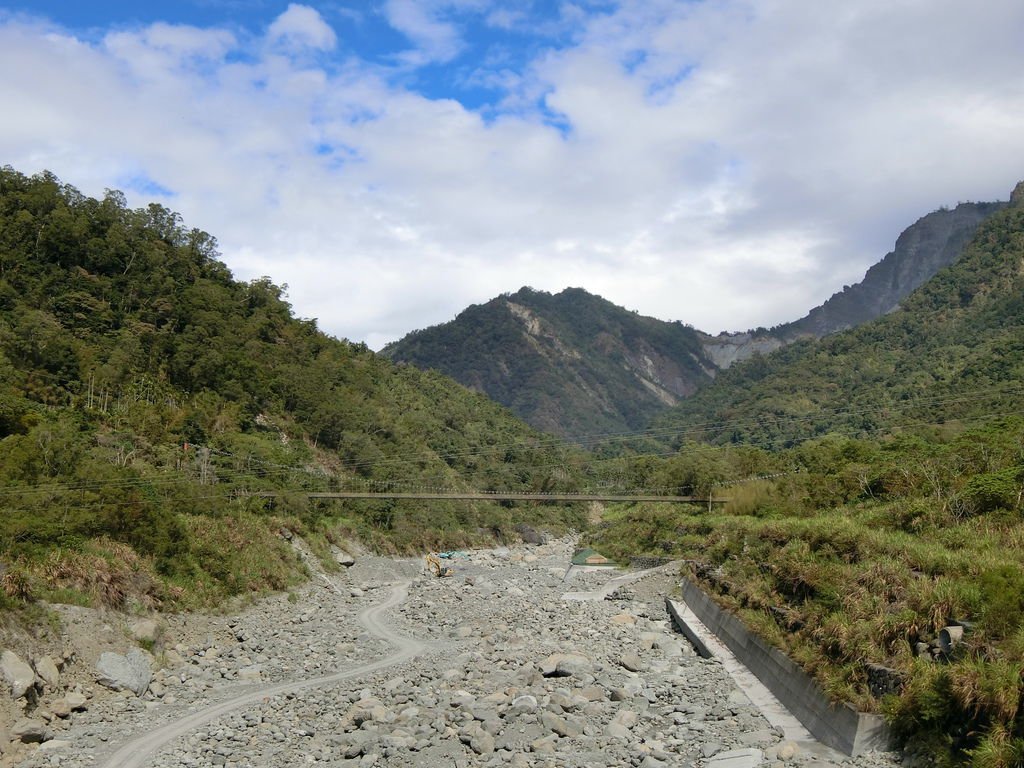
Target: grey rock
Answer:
pixel 77 701
pixel 31 731
pixel 632 662
pixel 16 673
pixel 54 744
pixel 343 558
pixel 564 727
pixel 525 703
pixel 124 673
pixel 482 743
pixel 565 665
pixel 47 670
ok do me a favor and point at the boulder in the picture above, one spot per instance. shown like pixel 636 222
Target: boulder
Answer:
pixel 341 557
pixel 47 670
pixel 77 701
pixel 124 673
pixel 16 673
pixel 530 535
pixel 564 727
pixel 61 708
pixel 632 662
pixel 565 665
pixel 482 743
pixel 30 731
pixel 525 703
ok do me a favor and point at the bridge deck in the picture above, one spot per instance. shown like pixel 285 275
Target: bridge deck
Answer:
pixel 504 496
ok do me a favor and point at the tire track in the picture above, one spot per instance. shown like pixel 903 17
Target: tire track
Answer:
pixel 138 752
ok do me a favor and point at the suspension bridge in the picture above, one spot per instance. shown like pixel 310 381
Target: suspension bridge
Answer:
pixel 500 496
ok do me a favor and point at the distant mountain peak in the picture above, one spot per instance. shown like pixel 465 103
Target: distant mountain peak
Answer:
pixel 575 363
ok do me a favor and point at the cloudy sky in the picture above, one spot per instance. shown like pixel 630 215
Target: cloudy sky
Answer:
pixel 727 163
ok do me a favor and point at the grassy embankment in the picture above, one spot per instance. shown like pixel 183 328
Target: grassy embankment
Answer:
pixel 864 551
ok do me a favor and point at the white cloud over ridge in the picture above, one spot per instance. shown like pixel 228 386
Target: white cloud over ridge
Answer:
pixel 727 164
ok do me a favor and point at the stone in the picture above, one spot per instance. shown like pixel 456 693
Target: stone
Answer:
pixel 524 704
pixel 617 731
pixel 565 665
pixel 77 701
pixel 788 751
pixel 17 674
pixel 566 728
pixel 529 535
pixel 30 731
pixel 54 744
pixel 146 631
pixel 252 673
pixel 130 672
pixel 632 662
pixel 47 671
pixel 593 693
pixel 343 558
pixel 544 745
pixel 623 619
pixel 627 718
pixel 482 743
pixel 61 708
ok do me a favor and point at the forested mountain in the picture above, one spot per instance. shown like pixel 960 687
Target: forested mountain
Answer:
pixel 570 363
pixel 573 363
pixel 146 397
pixel 954 348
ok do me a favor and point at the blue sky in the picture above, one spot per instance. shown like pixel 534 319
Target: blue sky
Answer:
pixel 726 163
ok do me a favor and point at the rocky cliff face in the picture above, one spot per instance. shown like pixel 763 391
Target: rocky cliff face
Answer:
pixel 931 243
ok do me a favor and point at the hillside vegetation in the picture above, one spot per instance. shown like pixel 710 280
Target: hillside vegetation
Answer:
pixel 147 398
pixel 570 363
pixel 876 490
pixel 954 348
pixel 853 555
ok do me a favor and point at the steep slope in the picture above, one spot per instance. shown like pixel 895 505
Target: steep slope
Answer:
pixel 922 249
pixel 147 399
pixel 955 347
pixel 931 243
pixel 575 364
pixel 570 363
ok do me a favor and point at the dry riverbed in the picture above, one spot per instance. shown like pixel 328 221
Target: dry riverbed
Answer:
pixel 490 667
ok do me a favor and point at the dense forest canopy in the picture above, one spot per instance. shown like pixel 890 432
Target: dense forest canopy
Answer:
pixel 146 397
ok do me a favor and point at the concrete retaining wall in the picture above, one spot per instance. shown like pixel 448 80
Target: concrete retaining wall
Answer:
pixel 840 727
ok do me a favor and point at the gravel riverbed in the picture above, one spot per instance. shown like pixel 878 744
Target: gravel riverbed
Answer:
pixel 490 667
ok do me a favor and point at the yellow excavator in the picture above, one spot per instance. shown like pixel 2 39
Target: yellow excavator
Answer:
pixel 436 567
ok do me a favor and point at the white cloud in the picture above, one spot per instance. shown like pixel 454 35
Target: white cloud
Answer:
pixel 727 164
pixel 435 40
pixel 301 27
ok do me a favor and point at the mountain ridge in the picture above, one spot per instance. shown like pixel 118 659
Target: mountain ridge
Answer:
pixel 952 349
pixel 574 363
pixel 539 353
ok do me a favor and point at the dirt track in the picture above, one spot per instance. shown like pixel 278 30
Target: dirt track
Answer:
pixel 137 753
